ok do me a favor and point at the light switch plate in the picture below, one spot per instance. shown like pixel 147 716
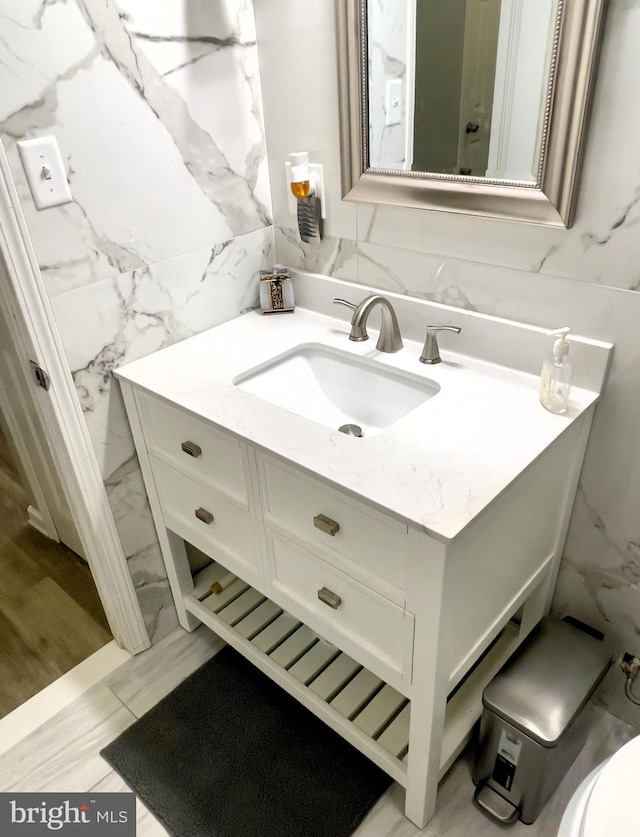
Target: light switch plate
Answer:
pixel 45 172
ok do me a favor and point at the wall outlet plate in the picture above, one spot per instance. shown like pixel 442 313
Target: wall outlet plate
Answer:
pixel 45 172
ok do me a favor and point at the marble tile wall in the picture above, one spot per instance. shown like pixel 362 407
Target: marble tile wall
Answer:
pixel 157 111
pixel 587 277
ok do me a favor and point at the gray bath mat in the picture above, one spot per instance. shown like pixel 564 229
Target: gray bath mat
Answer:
pixel 230 754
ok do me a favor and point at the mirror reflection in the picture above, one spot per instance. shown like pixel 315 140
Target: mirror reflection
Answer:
pixel 459 87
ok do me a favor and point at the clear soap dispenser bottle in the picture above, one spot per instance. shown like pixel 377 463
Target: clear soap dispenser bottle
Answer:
pixel 557 372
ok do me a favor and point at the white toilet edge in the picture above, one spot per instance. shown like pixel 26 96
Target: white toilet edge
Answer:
pixel 594 808
pixel 573 817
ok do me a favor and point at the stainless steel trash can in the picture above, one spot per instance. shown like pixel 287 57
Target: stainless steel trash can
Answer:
pixel 535 719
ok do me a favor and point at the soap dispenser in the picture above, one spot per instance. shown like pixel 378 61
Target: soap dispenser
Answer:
pixel 557 371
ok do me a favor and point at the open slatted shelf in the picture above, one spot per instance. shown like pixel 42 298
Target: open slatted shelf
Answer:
pixel 349 698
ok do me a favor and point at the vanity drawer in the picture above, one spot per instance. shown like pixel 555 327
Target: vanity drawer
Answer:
pixel 369 545
pixel 206 519
pixel 358 620
pixel 194 447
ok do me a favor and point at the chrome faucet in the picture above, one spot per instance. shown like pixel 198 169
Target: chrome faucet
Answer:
pixel 431 352
pixel 389 339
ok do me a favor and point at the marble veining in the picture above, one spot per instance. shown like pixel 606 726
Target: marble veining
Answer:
pixel 191 173
pixel 227 191
pixel 175 173
pixel 137 313
pixel 128 499
pixel 129 316
pixel 171 214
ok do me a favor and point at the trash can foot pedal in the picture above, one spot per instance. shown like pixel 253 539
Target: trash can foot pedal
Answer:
pixel 495 805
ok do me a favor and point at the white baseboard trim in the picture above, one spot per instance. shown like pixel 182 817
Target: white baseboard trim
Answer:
pixel 61 693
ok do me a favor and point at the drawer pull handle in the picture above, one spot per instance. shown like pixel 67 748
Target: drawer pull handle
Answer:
pixel 204 515
pixel 191 448
pixel 329 598
pixel 325 524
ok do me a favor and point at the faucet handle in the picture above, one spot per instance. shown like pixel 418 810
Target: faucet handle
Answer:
pixel 358 332
pixel 345 302
pixel 430 351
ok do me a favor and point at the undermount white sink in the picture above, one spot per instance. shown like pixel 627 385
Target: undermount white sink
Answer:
pixel 337 388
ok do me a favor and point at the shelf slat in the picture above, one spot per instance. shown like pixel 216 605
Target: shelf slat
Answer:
pixel 395 738
pixel 240 607
pixel 311 664
pixel 294 646
pixel 335 677
pixel 276 633
pixel 215 603
pixel 377 714
pixel 258 619
pixel 357 693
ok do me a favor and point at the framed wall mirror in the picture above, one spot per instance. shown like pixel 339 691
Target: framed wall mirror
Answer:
pixel 469 106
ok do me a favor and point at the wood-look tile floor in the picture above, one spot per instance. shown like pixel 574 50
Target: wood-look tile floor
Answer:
pixel 63 754
pixel 51 617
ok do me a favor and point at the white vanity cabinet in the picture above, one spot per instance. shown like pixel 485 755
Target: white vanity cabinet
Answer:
pixel 381 580
pixel 385 632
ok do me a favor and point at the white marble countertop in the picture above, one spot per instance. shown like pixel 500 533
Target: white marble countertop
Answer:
pixel 436 468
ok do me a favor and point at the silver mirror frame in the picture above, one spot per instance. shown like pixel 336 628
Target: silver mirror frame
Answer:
pixel 550 201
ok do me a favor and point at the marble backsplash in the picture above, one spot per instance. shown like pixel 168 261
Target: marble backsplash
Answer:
pixel 157 110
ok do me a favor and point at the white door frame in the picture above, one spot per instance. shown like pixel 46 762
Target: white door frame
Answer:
pixel 34 334
pixel 48 510
pixel 20 438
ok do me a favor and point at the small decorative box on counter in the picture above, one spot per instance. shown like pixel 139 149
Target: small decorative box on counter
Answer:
pixel 276 291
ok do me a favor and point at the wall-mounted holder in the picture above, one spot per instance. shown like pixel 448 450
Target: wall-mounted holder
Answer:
pixel 306 195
